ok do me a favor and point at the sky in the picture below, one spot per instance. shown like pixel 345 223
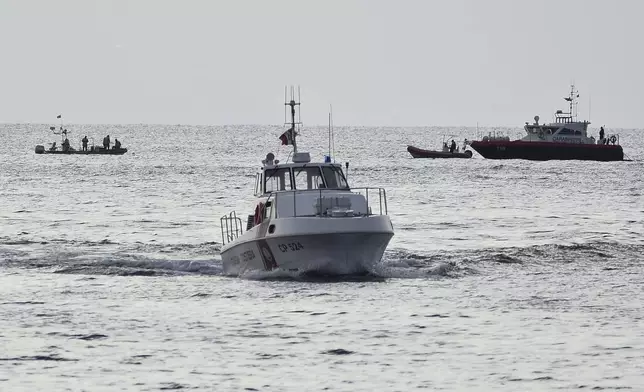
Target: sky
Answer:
pixel 379 63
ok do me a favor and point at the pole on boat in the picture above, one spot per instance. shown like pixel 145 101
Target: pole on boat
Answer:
pixel 294 121
pixel 62 132
pixel 331 136
pixel 329 131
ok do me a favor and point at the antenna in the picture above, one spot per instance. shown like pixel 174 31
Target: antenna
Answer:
pixel 330 108
pixel 295 118
pixel 331 134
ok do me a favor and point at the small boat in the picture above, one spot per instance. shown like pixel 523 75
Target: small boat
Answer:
pixel 66 149
pixel 564 139
pixel 90 151
pixel 420 153
pixel 306 219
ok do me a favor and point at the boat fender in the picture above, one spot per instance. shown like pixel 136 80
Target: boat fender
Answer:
pixel 613 139
pixel 259 213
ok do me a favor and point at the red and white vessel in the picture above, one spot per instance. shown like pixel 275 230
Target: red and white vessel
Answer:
pixel 566 138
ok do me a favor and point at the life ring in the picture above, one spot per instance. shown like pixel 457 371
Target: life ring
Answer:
pixel 259 214
pixel 613 139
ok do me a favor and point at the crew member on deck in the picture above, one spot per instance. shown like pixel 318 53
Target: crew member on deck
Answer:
pixel 117 144
pixel 66 145
pixel 106 142
pixel 601 133
pixel 85 143
pixel 452 147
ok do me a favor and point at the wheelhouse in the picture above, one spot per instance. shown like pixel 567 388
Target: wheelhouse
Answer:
pixel 300 176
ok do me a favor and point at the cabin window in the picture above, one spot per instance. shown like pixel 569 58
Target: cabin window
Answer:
pixel 566 131
pixel 334 177
pixel 258 181
pixel 308 177
pixel 277 180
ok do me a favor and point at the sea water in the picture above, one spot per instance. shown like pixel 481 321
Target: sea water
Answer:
pixel 502 275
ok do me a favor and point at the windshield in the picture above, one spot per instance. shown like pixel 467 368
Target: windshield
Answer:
pixel 334 177
pixel 308 177
pixel 277 180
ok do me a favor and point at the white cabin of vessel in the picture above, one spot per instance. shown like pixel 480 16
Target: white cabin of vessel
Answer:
pixel 565 128
pixel 305 188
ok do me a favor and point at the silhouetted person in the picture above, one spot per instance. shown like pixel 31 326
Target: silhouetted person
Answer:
pixel 117 144
pixel 66 145
pixel 106 142
pixel 452 147
pixel 85 143
pixel 601 133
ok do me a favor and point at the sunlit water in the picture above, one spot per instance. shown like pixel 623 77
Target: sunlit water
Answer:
pixel 502 275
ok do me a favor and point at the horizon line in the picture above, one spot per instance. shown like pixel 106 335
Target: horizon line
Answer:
pixel 283 125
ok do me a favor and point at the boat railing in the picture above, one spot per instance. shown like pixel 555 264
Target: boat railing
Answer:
pixel 375 198
pixel 231 227
pixel 609 140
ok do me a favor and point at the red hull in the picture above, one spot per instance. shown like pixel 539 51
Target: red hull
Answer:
pixel 544 151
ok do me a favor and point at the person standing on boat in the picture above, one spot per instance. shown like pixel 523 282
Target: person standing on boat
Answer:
pixel 85 143
pixel 117 144
pixel 66 145
pixel 452 147
pixel 106 142
pixel 601 133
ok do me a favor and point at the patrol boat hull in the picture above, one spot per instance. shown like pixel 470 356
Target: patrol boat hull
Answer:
pixel 329 246
pixel 544 151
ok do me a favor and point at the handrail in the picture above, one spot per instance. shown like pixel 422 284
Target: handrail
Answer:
pixel 382 198
pixel 233 227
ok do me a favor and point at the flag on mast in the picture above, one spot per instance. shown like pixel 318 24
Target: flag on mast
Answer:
pixel 287 137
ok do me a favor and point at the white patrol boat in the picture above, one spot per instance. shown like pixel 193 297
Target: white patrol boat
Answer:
pixel 306 219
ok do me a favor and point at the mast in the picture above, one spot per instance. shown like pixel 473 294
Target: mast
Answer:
pixel 295 120
pixel 572 95
pixel 329 131
pixel 62 132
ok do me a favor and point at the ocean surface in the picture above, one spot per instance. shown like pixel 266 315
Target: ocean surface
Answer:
pixel 501 276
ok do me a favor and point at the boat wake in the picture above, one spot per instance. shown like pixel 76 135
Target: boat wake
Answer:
pixel 138 259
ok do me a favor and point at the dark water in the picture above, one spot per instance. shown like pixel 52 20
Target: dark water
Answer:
pixel 502 275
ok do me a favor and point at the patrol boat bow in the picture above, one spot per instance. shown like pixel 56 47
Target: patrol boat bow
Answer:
pixel 306 219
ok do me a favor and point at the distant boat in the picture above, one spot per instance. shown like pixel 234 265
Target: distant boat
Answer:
pixel 564 139
pixel 90 151
pixel 446 152
pixel 420 153
pixel 67 149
